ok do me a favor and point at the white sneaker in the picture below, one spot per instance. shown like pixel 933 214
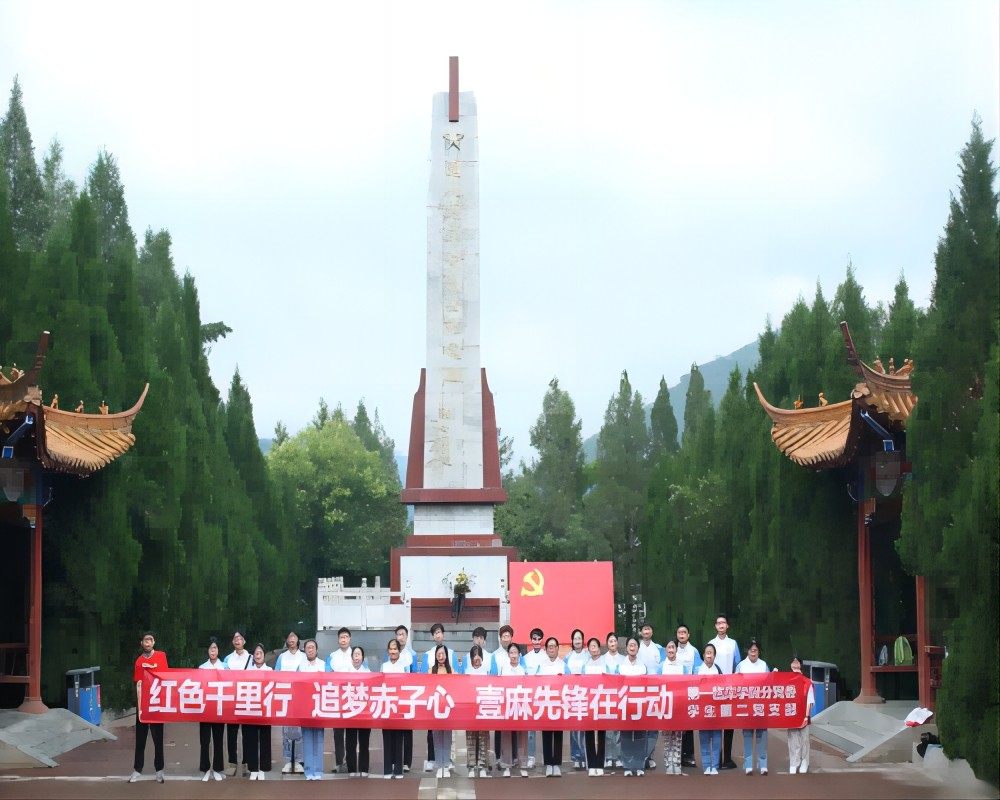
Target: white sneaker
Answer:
pixel 715 770
pixel 299 768
pixel 405 768
pixel 364 774
pixel 556 771
pixel 591 773
pixel 749 772
pixel 640 772
pixel 133 777
pixel 506 772
pixel 447 773
pixel 600 772
pixel 531 763
pixel 218 776
pixel 708 771
pixel 485 773
pixel 159 776
pixel 803 768
pixel 524 773
pixel 439 773
pixel 208 776
pixel 352 774
pixel 388 777
pixel 287 769
pixel 628 773
pixel 428 766
pixel 548 770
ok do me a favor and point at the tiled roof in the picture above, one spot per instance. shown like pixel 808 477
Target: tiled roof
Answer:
pixel 84 443
pixel 811 437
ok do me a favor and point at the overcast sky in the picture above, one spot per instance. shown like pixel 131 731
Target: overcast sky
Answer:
pixel 657 179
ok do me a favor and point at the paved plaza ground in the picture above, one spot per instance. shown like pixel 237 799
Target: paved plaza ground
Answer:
pixel 99 770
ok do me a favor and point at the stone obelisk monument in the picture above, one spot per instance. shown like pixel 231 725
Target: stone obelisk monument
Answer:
pixel 453 472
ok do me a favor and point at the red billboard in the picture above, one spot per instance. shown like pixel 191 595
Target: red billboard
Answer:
pixel 559 596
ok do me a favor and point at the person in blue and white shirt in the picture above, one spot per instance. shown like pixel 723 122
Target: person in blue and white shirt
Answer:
pixel 672 740
pixel 392 739
pixel 358 739
pixel 689 656
pixel 340 661
pixel 289 660
pixel 613 743
pixel 312 738
pixel 753 664
pixel 575 660
pixel 594 740
pixel 633 743
pixel 238 659
pixel 651 654
pixel 531 660
pixel 477 743
pixel 727 656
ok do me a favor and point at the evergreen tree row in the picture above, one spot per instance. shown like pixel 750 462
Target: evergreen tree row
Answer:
pixel 724 522
pixel 192 532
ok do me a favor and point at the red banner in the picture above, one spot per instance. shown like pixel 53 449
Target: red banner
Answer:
pixel 558 596
pixel 473 702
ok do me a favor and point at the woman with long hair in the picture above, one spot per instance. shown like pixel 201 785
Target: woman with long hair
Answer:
pixel 442 738
pixel 257 738
pixel 633 743
pixel 392 738
pixel 211 733
pixel 357 740
pixel 575 660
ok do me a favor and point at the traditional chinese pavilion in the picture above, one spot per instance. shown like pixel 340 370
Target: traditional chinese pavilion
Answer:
pixel 866 436
pixel 38 440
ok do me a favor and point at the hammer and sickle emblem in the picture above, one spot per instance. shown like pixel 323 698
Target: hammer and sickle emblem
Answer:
pixel 533 584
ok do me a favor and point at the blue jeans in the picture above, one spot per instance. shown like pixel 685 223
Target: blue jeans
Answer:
pixel 760 734
pixel 531 744
pixel 711 744
pixel 312 746
pixel 577 749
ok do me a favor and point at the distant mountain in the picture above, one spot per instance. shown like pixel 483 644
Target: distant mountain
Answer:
pixel 716 375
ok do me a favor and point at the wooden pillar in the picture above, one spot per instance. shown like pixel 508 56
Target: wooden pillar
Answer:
pixel 866 607
pixel 33 697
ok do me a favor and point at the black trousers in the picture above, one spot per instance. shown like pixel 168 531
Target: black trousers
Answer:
pixel 687 746
pixel 257 747
pixel 408 748
pixel 141 731
pixel 338 748
pixel 232 734
pixel 552 748
pixel 595 748
pixel 727 747
pixel 392 745
pixel 430 747
pixel 211 733
pixel 358 740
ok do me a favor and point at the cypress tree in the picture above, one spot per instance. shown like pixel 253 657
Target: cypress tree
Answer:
pixel 951 441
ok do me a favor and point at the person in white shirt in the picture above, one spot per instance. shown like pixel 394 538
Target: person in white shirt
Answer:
pixel 340 661
pixel 238 659
pixel 689 656
pixel 650 654
pixel 594 740
pixel 442 738
pixel 392 738
pixel 613 742
pixel 574 666
pixel 497 659
pixel 358 739
pixel 211 733
pixel 633 743
pixel 312 738
pixel 672 740
pixel 531 660
pixel 798 738
pixel 552 741
pixel 427 663
pixel 753 664
pixel 257 738
pixel 711 740
pixel 727 656
pixel 411 662
pixel 289 660
pixel 477 743
pixel 514 740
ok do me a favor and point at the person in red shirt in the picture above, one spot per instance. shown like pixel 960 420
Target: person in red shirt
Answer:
pixel 149 659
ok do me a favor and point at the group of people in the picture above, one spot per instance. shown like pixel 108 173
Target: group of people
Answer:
pixel 596 751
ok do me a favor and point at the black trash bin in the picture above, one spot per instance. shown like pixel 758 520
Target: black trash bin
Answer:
pixel 84 694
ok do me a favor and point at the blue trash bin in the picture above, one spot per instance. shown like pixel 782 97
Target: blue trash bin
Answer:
pixel 824 687
pixel 84 694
